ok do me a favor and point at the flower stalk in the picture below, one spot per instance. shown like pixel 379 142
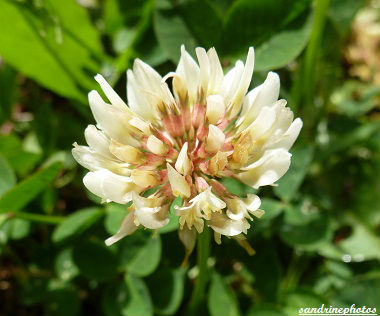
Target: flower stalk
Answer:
pixel 203 253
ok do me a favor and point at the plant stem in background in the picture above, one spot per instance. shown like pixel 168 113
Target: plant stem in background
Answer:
pixel 304 86
pixel 41 218
pixel 203 252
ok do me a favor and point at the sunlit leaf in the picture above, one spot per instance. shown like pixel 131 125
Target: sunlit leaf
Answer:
pixel 76 223
pixel 20 195
pixel 221 299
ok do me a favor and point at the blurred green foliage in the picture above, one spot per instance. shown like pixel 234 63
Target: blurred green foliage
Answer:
pixel 319 240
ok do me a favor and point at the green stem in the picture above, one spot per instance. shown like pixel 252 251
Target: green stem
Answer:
pixel 203 252
pixel 303 89
pixel 41 218
pixel 312 55
pixel 296 268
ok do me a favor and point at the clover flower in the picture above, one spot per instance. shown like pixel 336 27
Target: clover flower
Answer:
pixel 182 140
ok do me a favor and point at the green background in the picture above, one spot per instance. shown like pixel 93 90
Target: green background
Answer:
pixel 319 239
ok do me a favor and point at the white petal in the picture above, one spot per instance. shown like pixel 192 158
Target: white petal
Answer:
pixel 237 210
pixel 252 202
pixel 242 88
pixel 127 228
pixel 94 161
pixel 215 139
pixel 290 136
pixel 110 186
pixel 231 81
pixel 126 153
pixel 215 108
pixel 265 95
pixel 183 163
pixel 216 72
pixel 93 184
pixel 221 224
pixel 153 218
pixel 179 185
pixel 110 93
pixel 262 123
pixel 111 120
pixel 97 141
pixel 204 66
pixel 136 101
pixel 188 71
pixel 156 146
pixel 249 99
pixel 267 170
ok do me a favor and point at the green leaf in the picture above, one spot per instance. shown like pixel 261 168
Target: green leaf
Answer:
pixel 65 267
pixel 114 216
pixel 363 290
pixel 264 310
pixel 361 235
pixel 355 98
pixel 342 12
pixel 173 218
pixel 203 20
pixel 283 47
pixel 95 261
pixel 350 137
pixel 19 196
pixel 251 23
pixel 140 302
pixel 167 299
pixel 171 30
pixel 221 299
pixel 289 184
pixel 300 299
pixel 19 228
pixel 140 253
pixel 267 270
pixel 305 226
pixel 8 91
pixel 127 297
pixel 7 176
pixel 21 161
pixel 76 223
pixel 59 40
pixel 63 301
pixel 271 207
pixel 236 187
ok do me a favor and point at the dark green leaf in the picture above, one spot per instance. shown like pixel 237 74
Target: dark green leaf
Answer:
pixel 251 23
pixel 7 176
pixel 64 301
pixel 362 291
pixel 168 298
pixel 127 297
pixel 288 185
pixel 305 226
pixel 16 198
pixel 77 223
pixel 140 253
pixel 283 47
pixel 173 218
pixel 221 299
pixel 114 216
pixel 171 30
pixel 95 261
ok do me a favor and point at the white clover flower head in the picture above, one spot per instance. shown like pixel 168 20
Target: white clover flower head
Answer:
pixel 181 140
